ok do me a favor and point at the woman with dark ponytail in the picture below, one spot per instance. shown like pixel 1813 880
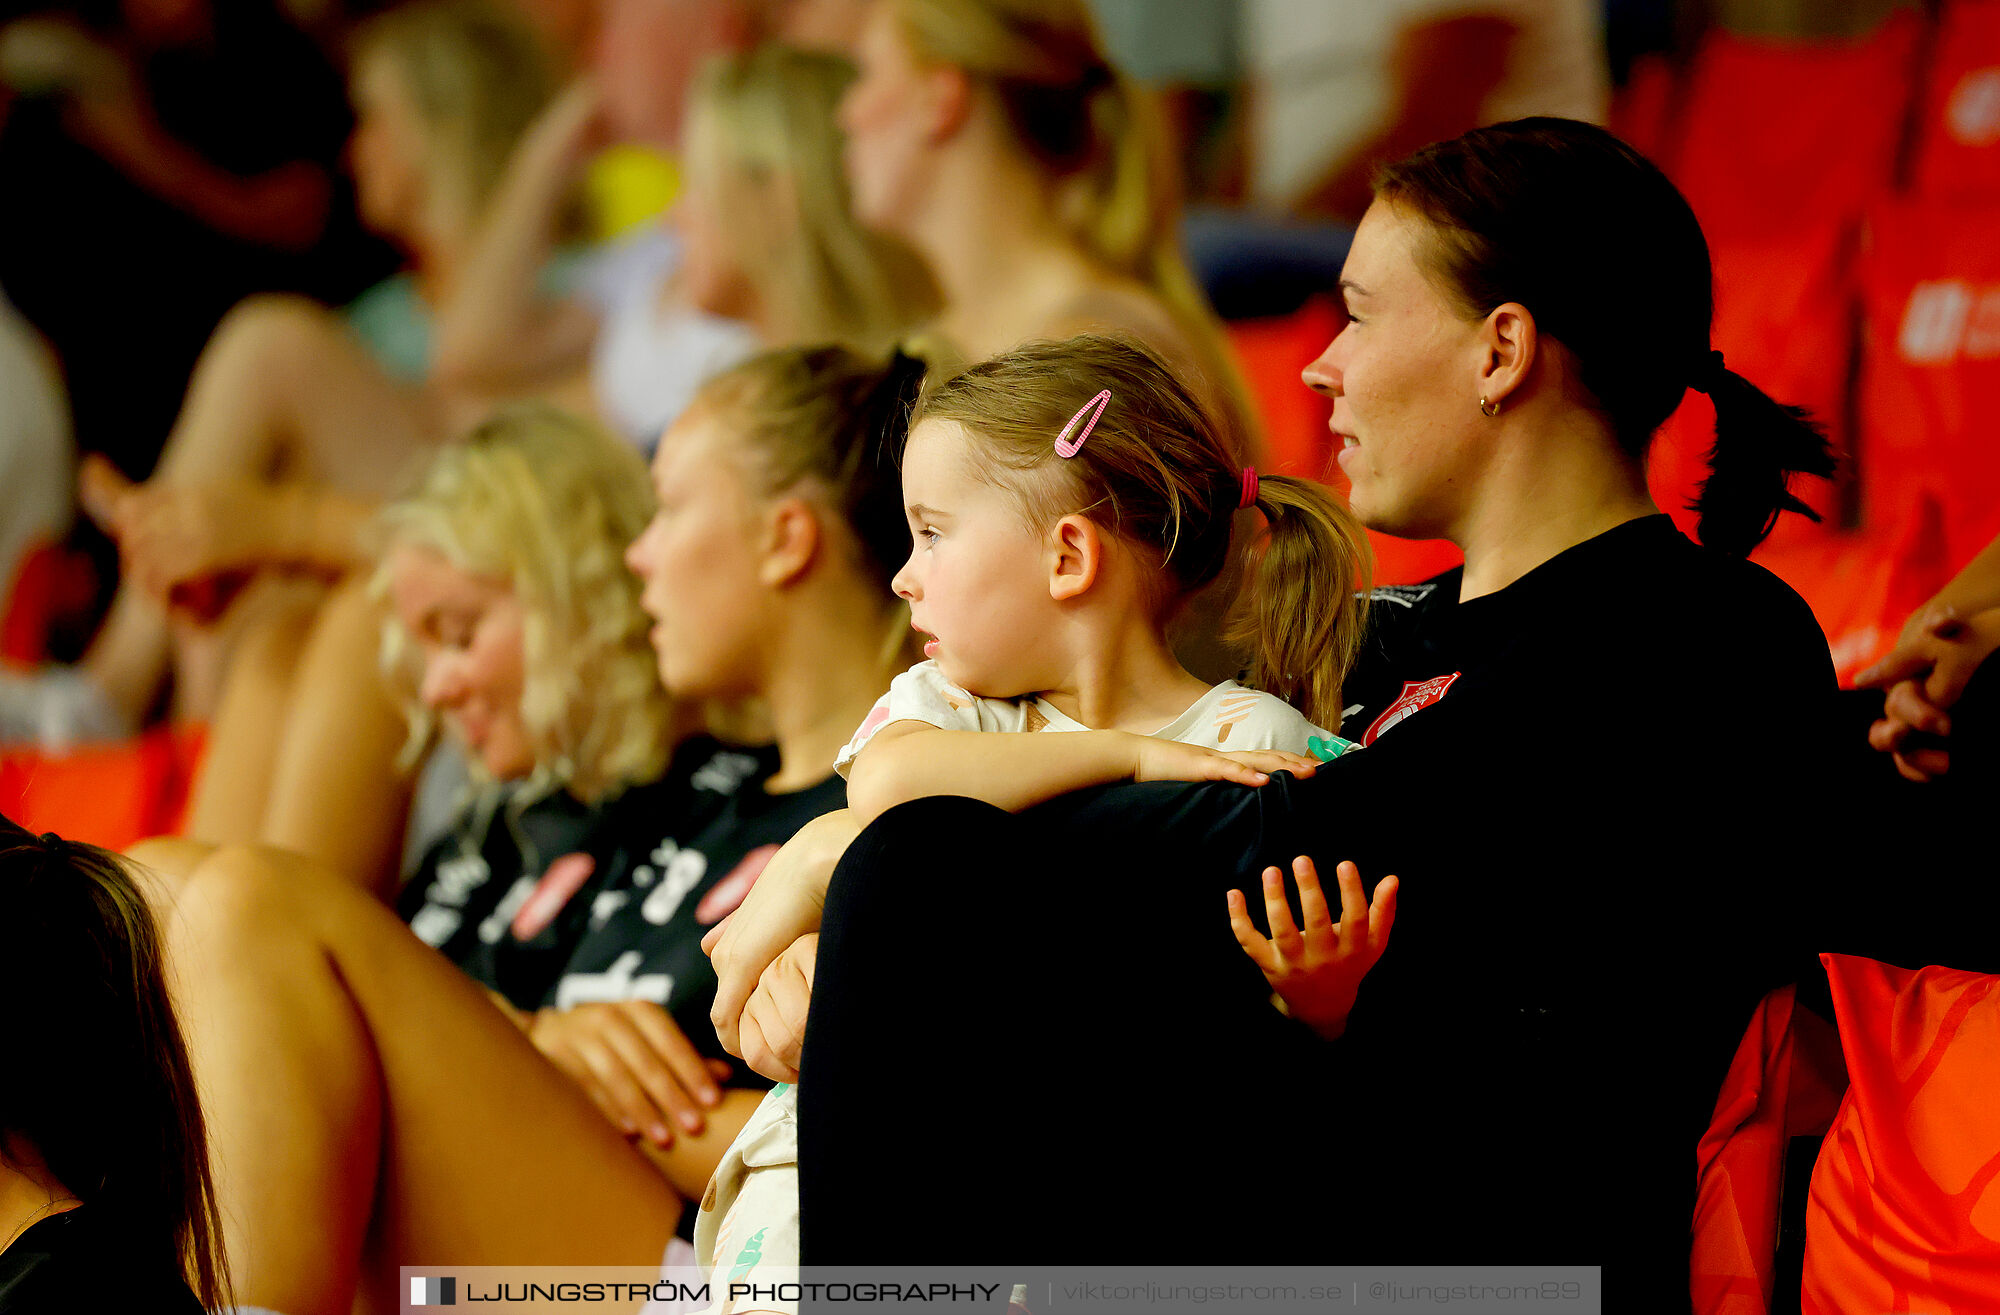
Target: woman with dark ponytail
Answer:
pixel 1588 754
pixel 105 1196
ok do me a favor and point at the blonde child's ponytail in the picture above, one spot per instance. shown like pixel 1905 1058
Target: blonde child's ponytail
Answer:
pixel 1306 597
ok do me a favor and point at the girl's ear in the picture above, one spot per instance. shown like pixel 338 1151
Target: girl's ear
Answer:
pixel 1076 551
pixel 792 542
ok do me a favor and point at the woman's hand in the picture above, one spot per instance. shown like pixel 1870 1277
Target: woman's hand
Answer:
pixel 784 905
pixel 637 1066
pixel 1170 760
pixel 1925 676
pixel 173 536
pixel 774 1022
pixel 1317 972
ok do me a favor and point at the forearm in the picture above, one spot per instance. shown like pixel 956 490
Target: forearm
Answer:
pixel 1010 770
pixel 497 323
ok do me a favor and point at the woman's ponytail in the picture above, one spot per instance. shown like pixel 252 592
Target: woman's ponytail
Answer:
pixel 1759 445
pixel 1307 591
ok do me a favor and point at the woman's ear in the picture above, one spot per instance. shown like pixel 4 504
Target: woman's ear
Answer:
pixel 948 94
pixel 1076 551
pixel 1509 343
pixel 792 542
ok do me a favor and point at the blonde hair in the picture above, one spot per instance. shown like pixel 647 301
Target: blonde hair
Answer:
pixel 767 118
pixel 1083 120
pixel 477 76
pixel 832 421
pixel 548 503
pixel 1156 473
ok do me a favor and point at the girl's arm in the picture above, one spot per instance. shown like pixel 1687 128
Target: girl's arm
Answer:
pixel 911 760
pixel 497 328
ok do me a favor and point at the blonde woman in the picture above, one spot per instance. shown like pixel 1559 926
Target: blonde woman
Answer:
pixel 995 137
pixel 762 249
pixel 297 418
pixel 373 1108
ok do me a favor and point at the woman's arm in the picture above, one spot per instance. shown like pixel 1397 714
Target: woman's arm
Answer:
pixel 497 328
pixel 1015 770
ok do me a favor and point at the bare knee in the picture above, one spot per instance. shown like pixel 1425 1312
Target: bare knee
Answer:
pixel 273 324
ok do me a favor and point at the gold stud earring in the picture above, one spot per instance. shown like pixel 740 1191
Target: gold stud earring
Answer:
pixel 1487 408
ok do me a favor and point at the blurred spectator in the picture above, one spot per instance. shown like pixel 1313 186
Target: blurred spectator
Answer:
pixel 36 454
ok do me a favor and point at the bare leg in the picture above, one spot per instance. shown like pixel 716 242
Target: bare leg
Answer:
pixel 329 1043
pixel 227 804
pixel 281 390
pixel 335 792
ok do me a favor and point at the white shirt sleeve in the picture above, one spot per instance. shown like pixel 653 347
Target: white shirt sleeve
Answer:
pixel 923 694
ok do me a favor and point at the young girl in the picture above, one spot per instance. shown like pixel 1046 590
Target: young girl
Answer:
pixel 1065 499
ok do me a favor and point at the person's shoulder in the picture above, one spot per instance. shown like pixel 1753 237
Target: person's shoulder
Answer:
pixel 1235 717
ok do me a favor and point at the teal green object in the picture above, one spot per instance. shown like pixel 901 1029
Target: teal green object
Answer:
pixel 1326 750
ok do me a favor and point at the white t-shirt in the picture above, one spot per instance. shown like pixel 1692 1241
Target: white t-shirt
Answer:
pixel 1229 717
pixel 648 358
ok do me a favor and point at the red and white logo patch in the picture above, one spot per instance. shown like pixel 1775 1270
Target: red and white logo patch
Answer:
pixel 726 894
pixel 560 880
pixel 1416 696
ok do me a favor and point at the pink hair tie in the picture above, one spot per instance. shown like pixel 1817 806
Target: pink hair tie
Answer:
pixel 1249 487
pixel 1068 447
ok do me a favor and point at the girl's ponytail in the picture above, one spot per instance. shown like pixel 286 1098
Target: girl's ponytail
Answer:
pixel 1307 597
pixel 1759 445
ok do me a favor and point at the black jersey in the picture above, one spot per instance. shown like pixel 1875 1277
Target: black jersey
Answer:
pixel 79 1260
pixel 544 926
pixel 473 880
pixel 1587 782
pixel 664 886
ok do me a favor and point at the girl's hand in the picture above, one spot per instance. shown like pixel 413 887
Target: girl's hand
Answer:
pixel 172 536
pixel 637 1066
pixel 1170 760
pixel 1317 972
pixel 774 1023
pixel 783 905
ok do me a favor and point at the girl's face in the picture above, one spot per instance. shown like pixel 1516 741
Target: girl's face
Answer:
pixel 886 120
pixel 711 274
pixel 386 151
pixel 468 633
pixel 697 564
pixel 977 580
pixel 1403 376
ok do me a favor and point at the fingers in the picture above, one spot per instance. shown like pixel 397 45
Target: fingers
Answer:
pixel 679 1071
pixel 1923 764
pixel 101 490
pixel 1285 937
pixel 1906 703
pixel 713 937
pixel 1948 678
pixel 1247 935
pixel 1353 902
pixel 1382 913
pixel 1887 735
pixel 1898 666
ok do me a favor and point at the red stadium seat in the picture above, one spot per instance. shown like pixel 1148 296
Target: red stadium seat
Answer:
pixel 1930 369
pixel 109 795
pixel 1783 135
pixel 1642 113
pixel 1958 127
pixel 1785 1081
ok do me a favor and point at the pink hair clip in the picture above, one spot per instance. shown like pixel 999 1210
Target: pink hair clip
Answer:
pixel 1068 447
pixel 1249 498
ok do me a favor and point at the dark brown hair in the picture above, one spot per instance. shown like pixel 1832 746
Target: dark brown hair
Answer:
pixel 100 1085
pixel 1158 473
pixel 1604 251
